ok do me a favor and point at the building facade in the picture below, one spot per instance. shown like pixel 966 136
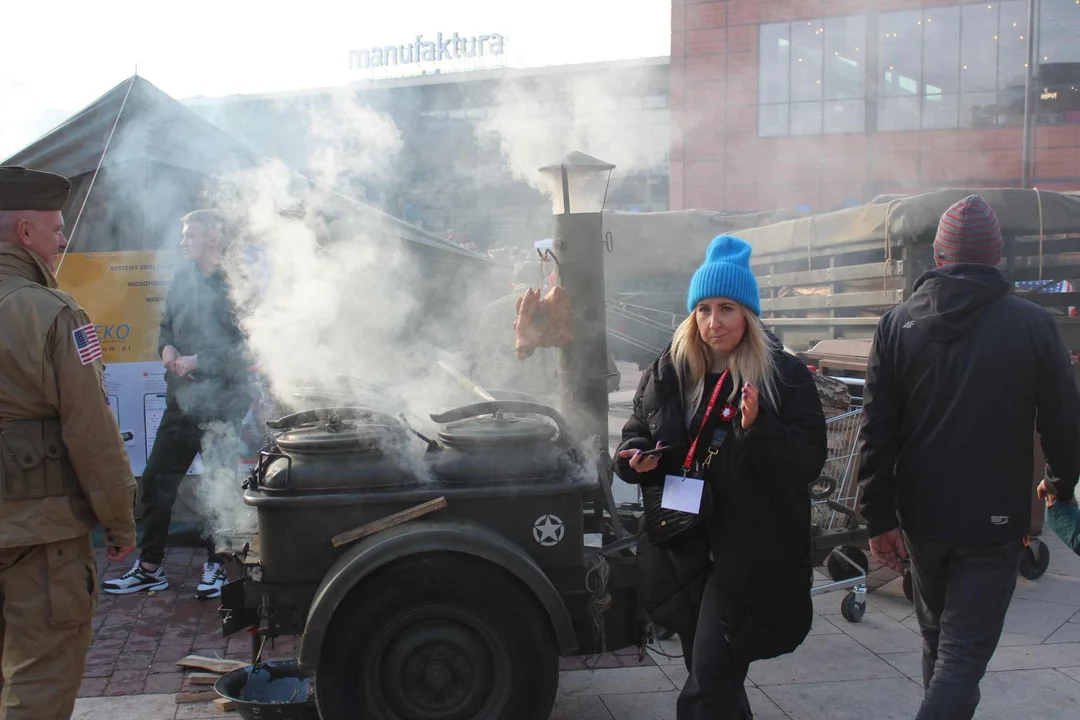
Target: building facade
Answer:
pixel 455 152
pixel 824 103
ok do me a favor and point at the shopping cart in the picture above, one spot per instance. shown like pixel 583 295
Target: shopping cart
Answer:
pixel 834 524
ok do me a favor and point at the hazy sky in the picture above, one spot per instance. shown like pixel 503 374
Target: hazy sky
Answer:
pixel 57 57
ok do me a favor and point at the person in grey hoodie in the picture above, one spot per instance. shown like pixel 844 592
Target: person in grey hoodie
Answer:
pixel 960 375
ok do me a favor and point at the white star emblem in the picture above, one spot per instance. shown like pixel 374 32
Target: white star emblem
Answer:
pixel 727 413
pixel 548 530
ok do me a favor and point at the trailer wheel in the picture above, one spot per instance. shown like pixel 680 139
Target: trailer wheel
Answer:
pixel 438 637
pixel 1033 568
pixel 840 570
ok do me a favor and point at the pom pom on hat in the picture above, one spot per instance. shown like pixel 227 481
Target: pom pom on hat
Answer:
pixel 726 274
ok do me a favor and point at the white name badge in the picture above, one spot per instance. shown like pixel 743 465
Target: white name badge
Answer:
pixel 682 493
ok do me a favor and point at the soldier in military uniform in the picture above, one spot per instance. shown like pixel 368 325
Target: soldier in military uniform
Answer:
pixel 63 466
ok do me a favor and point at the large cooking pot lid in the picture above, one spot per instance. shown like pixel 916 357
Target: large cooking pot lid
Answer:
pixel 497 430
pixel 339 436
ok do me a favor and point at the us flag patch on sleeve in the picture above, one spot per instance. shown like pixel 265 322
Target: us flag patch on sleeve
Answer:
pixel 86 342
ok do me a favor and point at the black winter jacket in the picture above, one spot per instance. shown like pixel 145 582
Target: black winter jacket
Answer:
pixel 960 376
pixel 761 534
pixel 199 319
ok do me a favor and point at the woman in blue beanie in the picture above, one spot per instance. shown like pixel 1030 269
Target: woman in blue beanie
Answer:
pixel 737 586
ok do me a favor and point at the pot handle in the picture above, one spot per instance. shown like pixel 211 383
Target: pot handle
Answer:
pixel 503 406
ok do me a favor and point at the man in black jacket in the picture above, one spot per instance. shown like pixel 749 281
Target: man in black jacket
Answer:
pixel 960 376
pixel 208 395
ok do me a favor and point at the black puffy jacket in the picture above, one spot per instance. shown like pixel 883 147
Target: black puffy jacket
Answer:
pixel 761 534
pixel 959 377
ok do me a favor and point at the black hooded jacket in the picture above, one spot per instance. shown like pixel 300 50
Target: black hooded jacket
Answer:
pixel 960 376
pixel 760 537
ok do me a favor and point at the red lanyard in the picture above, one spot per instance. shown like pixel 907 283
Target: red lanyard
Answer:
pixel 689 462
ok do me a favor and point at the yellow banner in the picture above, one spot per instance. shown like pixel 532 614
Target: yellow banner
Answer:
pixel 124 293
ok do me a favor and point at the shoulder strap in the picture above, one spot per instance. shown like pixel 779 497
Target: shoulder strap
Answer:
pixel 9 286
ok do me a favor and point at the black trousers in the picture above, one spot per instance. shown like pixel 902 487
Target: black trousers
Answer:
pixel 962 592
pixel 179 439
pixel 715 687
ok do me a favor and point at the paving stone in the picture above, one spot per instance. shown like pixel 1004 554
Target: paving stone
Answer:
pixel 200 710
pixel 1074 673
pixel 126 682
pixel 92 687
pixel 1033 657
pixel 163 682
pixel 677 674
pixel 822 626
pixel 143 707
pixel 822 658
pixel 909 663
pixel 614 681
pixel 642 705
pixel 661 706
pixel 1067 633
pixel 886 699
pixel 896 607
pixel 878 632
pixel 1035 618
pixel 1050 587
pixel 1028 693
pixel 583 708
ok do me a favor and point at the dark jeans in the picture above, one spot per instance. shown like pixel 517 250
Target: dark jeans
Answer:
pixel 962 592
pixel 715 688
pixel 179 439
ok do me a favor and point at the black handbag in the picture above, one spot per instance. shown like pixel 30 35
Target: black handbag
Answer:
pixel 670 528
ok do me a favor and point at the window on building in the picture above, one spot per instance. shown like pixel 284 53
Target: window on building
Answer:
pixel 1059 62
pixel 812 77
pixel 956 66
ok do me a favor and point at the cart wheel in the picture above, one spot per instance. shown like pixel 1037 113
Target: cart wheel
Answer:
pixel 840 570
pixel 1033 568
pixel 823 487
pixel 909 587
pixel 852 610
pixel 662 633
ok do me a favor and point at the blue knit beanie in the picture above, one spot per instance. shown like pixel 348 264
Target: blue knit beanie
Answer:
pixel 725 274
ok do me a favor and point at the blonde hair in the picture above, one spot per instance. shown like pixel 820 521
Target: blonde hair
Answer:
pixel 750 362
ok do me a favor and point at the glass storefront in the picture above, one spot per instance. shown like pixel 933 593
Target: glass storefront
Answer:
pixel 958 66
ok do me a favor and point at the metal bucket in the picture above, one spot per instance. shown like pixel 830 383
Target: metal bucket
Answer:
pixel 277 690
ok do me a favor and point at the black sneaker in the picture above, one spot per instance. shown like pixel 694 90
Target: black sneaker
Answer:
pixel 136 579
pixel 213 578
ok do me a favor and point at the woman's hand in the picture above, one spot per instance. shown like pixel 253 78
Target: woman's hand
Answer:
pixel 749 406
pixel 640 463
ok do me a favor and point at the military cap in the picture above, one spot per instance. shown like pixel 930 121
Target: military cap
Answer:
pixel 22 189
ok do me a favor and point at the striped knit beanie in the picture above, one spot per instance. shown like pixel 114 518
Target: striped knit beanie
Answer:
pixel 968 233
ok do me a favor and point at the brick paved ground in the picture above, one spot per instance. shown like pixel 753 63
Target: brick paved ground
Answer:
pixel 138 638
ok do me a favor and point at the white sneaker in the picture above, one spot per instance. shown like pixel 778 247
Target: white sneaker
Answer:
pixel 213 578
pixel 136 579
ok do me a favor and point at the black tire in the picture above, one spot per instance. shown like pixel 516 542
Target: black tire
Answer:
pixel 839 570
pixel 1031 568
pixel 909 587
pixel 852 612
pixel 438 636
pixel 823 487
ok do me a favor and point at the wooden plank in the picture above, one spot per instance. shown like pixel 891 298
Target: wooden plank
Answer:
pixel 217 665
pixel 877 298
pixel 199 678
pixel 834 274
pixel 821 322
pixel 389 521
pixel 224 704
pixel 200 696
pixel 760 257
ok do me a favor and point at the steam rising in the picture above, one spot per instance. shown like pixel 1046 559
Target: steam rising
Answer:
pixel 328 303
